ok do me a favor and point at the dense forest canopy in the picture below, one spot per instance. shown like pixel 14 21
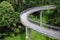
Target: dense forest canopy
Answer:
pixel 10 10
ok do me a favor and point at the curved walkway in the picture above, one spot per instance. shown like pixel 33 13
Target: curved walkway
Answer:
pixel 47 32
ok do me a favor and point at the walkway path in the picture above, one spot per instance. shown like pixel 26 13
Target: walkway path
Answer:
pixel 42 30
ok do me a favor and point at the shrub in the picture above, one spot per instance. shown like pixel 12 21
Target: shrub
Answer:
pixel 9 19
pixel 7 14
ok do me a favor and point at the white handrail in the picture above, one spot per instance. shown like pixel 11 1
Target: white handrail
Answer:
pixel 47 32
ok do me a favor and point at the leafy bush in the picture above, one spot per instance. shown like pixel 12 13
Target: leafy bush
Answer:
pixel 6 11
pixel 9 20
pixel 7 14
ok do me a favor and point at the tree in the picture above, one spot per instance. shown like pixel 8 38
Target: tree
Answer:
pixel 9 20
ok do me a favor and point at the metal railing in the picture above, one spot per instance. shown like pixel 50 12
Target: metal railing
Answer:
pixel 42 30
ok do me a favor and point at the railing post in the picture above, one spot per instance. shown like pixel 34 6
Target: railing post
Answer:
pixel 28 34
pixel 41 18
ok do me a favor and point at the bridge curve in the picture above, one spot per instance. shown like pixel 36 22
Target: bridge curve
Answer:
pixel 42 30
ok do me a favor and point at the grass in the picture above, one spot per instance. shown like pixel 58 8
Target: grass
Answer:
pixel 37 36
pixel 13 38
pixel 20 36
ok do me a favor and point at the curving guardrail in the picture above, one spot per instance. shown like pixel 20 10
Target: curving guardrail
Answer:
pixel 42 30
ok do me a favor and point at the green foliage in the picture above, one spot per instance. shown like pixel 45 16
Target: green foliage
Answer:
pixel 13 38
pixel 15 3
pixel 47 15
pixel 58 20
pixel 10 18
pixel 7 14
pixel 6 11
